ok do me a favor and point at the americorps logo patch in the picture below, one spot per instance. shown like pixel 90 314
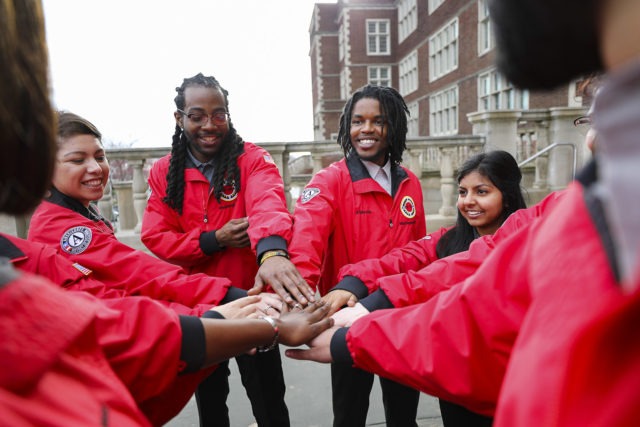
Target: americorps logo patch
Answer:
pixel 408 207
pixel 76 240
pixel 308 194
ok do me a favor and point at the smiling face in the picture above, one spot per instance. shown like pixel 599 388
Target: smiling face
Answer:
pixel 82 169
pixel 206 138
pixel 369 131
pixel 480 202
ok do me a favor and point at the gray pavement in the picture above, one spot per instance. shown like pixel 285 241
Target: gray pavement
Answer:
pixel 308 397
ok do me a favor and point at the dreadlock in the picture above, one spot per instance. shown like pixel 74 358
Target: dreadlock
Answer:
pixel 226 170
pixel 394 109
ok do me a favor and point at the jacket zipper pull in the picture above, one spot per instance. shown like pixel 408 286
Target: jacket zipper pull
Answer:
pixel 390 223
pixel 206 220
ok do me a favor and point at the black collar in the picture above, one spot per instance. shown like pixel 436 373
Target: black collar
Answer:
pixel 60 199
pixel 358 171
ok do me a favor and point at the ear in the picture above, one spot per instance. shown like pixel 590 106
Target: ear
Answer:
pixel 178 117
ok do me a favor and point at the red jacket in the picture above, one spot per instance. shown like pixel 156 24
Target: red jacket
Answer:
pixel 509 328
pixel 69 359
pixel 343 216
pixel 93 245
pixel 413 274
pixel 176 238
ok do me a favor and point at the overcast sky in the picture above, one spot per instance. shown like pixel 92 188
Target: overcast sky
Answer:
pixel 118 62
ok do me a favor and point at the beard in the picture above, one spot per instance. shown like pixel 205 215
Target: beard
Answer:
pixel 542 44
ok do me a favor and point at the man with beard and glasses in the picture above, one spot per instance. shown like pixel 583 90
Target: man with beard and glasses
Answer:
pixel 217 206
pixel 543 333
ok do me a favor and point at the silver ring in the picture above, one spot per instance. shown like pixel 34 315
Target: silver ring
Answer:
pixel 297 305
pixel 268 307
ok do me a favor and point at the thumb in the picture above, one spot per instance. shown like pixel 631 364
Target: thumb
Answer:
pixel 352 301
pixel 257 286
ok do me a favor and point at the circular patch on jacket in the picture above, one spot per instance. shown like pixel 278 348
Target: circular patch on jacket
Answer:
pixel 308 194
pixel 408 207
pixel 229 193
pixel 76 240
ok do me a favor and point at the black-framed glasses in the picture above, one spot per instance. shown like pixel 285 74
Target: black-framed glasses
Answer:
pixel 200 118
pixel 583 124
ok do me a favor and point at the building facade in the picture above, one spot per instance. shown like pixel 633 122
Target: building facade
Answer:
pixel 439 54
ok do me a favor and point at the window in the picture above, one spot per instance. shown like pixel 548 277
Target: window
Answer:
pixel 434 4
pixel 408 69
pixel 407 18
pixel 443 50
pixel 496 93
pixel 413 121
pixel 380 76
pixel 378 37
pixel 443 112
pixel 485 37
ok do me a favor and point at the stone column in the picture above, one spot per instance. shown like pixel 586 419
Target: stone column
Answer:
pixel 105 205
pixel 562 130
pixel 500 129
pixel 139 192
pixel 447 182
pixel 280 156
pixel 124 194
pixel 415 164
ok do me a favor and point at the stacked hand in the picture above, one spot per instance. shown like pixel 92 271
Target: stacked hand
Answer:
pixel 338 298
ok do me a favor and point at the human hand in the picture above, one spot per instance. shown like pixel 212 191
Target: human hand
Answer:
pixel 338 298
pixel 319 348
pixel 234 234
pixel 241 308
pixel 300 326
pixel 271 304
pixel 285 279
pixel 348 315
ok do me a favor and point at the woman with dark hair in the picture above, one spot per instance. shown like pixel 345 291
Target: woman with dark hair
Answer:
pixel 488 192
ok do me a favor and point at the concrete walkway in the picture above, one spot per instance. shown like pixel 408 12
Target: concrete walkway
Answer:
pixel 308 398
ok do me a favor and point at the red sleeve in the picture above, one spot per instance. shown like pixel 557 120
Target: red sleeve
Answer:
pixel 413 256
pixel 143 342
pixel 314 221
pixel 456 345
pixel 264 198
pixel 415 287
pixel 119 266
pixel 161 230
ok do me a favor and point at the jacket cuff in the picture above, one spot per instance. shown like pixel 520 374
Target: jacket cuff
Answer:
pixel 353 285
pixel 339 349
pixel 270 243
pixel 193 351
pixel 376 301
pixel 212 314
pixel 233 294
pixel 209 244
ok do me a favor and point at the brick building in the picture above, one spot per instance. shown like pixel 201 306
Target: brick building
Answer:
pixel 438 53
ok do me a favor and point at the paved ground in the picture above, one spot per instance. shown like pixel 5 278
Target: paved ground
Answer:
pixel 308 398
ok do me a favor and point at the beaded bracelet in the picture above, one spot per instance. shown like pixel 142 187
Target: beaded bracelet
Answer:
pixel 276 334
pixel 268 254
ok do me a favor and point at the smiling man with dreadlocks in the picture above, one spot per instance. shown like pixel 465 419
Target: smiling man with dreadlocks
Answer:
pixel 217 205
pixel 358 208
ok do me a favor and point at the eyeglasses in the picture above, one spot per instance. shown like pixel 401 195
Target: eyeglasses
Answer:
pixel 583 124
pixel 199 118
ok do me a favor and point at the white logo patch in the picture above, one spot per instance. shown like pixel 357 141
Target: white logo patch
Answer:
pixel 308 194
pixel 76 240
pixel 408 207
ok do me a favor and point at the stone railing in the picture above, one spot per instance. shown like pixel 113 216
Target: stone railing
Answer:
pixel 433 159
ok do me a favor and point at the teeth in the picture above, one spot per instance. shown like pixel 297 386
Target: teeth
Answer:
pixel 367 142
pixel 93 182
